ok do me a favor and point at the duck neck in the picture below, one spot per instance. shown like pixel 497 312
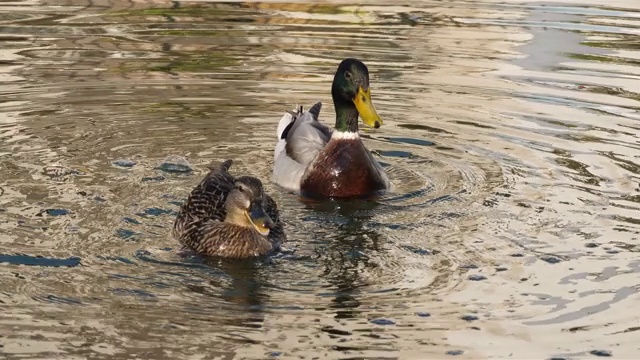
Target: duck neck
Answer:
pixel 346 117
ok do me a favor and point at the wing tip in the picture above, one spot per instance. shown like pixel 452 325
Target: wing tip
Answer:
pixel 315 110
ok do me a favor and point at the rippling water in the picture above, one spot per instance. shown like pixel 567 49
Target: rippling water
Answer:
pixel 510 136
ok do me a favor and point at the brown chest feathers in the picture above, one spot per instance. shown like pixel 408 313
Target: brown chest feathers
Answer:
pixel 215 238
pixel 343 169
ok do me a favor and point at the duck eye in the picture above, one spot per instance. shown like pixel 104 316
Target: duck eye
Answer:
pixel 240 187
pixel 348 75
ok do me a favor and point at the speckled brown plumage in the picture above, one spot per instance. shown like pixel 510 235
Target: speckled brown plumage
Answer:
pixel 344 168
pixel 215 238
pixel 200 222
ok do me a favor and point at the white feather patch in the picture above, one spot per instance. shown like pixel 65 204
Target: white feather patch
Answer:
pixel 282 143
pixel 348 135
pixel 286 120
pixel 287 172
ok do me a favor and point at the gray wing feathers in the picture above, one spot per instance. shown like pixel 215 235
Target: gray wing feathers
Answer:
pixel 301 138
pixel 306 139
pixel 287 172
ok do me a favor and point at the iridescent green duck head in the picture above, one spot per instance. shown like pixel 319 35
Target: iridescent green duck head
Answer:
pixel 352 96
pixel 244 205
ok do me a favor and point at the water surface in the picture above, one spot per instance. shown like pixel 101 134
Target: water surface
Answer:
pixel 510 137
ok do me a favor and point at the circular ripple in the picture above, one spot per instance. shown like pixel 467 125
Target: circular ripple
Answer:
pixel 405 242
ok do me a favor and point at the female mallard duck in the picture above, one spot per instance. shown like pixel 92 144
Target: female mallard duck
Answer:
pixel 318 161
pixel 229 217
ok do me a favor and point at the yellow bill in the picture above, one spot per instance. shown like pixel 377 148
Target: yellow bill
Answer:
pixel 365 108
pixel 259 219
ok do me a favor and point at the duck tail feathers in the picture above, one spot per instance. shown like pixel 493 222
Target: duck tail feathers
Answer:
pixel 315 110
pixel 224 166
pixel 287 120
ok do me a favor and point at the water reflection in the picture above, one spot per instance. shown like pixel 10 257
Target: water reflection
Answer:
pixel 347 254
pixel 242 289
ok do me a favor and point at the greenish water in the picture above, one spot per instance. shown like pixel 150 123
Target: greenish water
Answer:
pixel 510 137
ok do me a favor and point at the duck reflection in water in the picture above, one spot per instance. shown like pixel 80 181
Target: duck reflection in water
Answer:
pixel 347 253
pixel 236 289
pixel 242 287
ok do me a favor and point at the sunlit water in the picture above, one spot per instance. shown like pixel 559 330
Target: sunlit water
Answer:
pixel 510 136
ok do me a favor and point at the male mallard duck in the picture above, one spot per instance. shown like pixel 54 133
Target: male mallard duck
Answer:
pixel 318 161
pixel 229 217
